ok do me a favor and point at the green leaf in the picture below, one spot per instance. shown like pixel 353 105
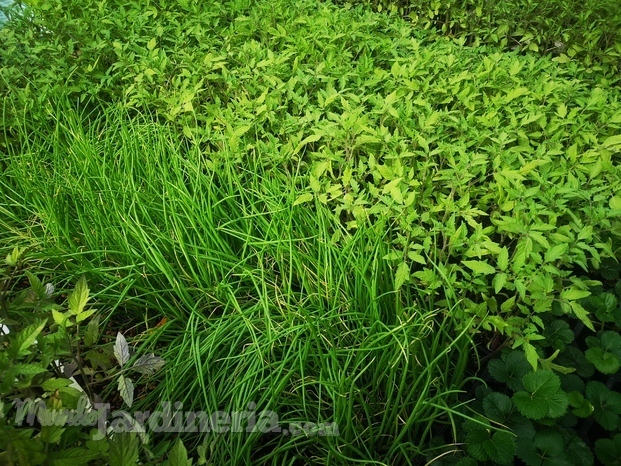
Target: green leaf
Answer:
pixel 545 448
pixel 531 354
pixel 14 256
pixel 485 445
pixel 479 267
pixel 605 362
pixel 572 294
pixel 121 349
pixel 510 369
pixel 503 259
pixel 606 404
pixel 123 449
pixel 51 385
pixel 148 364
pixel 27 369
pixel 79 297
pixel 71 456
pixel 499 282
pixel 82 316
pixel 402 275
pixel 542 396
pixel 91 333
pixel 556 252
pixel 581 314
pixel 609 450
pixel 178 455
pixel 498 407
pixel 612 142
pixel 306 197
pixel 20 346
pixel 557 334
pixel 126 389
pixel 615 203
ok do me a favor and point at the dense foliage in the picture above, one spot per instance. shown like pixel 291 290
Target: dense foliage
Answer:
pixel 325 203
pixel 588 31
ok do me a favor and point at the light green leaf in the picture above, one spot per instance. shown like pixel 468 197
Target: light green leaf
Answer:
pixel 612 141
pixel 306 197
pixel 126 389
pixel 499 282
pixel 78 297
pixel 581 314
pixel 572 294
pixel 503 259
pixel 556 252
pixel 479 267
pixel 402 275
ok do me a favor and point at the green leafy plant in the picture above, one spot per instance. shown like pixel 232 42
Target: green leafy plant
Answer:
pixel 42 348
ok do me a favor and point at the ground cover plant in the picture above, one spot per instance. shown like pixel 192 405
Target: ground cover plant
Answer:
pixel 585 31
pixel 323 204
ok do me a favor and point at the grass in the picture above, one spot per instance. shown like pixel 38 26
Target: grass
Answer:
pixel 267 301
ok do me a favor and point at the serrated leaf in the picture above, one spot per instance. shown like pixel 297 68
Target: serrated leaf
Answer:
pixel 615 203
pixel 609 450
pixel 121 349
pixel 20 346
pixel 503 259
pixel 402 275
pixel 542 396
pixel 557 334
pixel 573 294
pixel 307 140
pixel 581 314
pixel 27 369
pixel 612 141
pixel 70 456
pixel 510 370
pixel 51 385
pixel 148 364
pixel 531 355
pixel 151 44
pixel 485 445
pixel 306 197
pixel 606 404
pixel 82 316
pixel 499 282
pixel 498 407
pixel 556 252
pixel 605 362
pixel 126 389
pixel 178 455
pixel 59 318
pixel 91 333
pixel 123 449
pixel 479 267
pixel 78 297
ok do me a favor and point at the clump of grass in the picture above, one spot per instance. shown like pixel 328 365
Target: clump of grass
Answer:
pixel 267 302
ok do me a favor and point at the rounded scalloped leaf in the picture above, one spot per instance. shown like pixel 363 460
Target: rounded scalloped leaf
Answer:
pixel 605 362
pixel 498 407
pixel 510 369
pixel 571 383
pixel 542 396
pixel 485 445
pixel 608 451
pixel 532 408
pixel 547 448
pixel 573 357
pixel 606 404
pixel 557 334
